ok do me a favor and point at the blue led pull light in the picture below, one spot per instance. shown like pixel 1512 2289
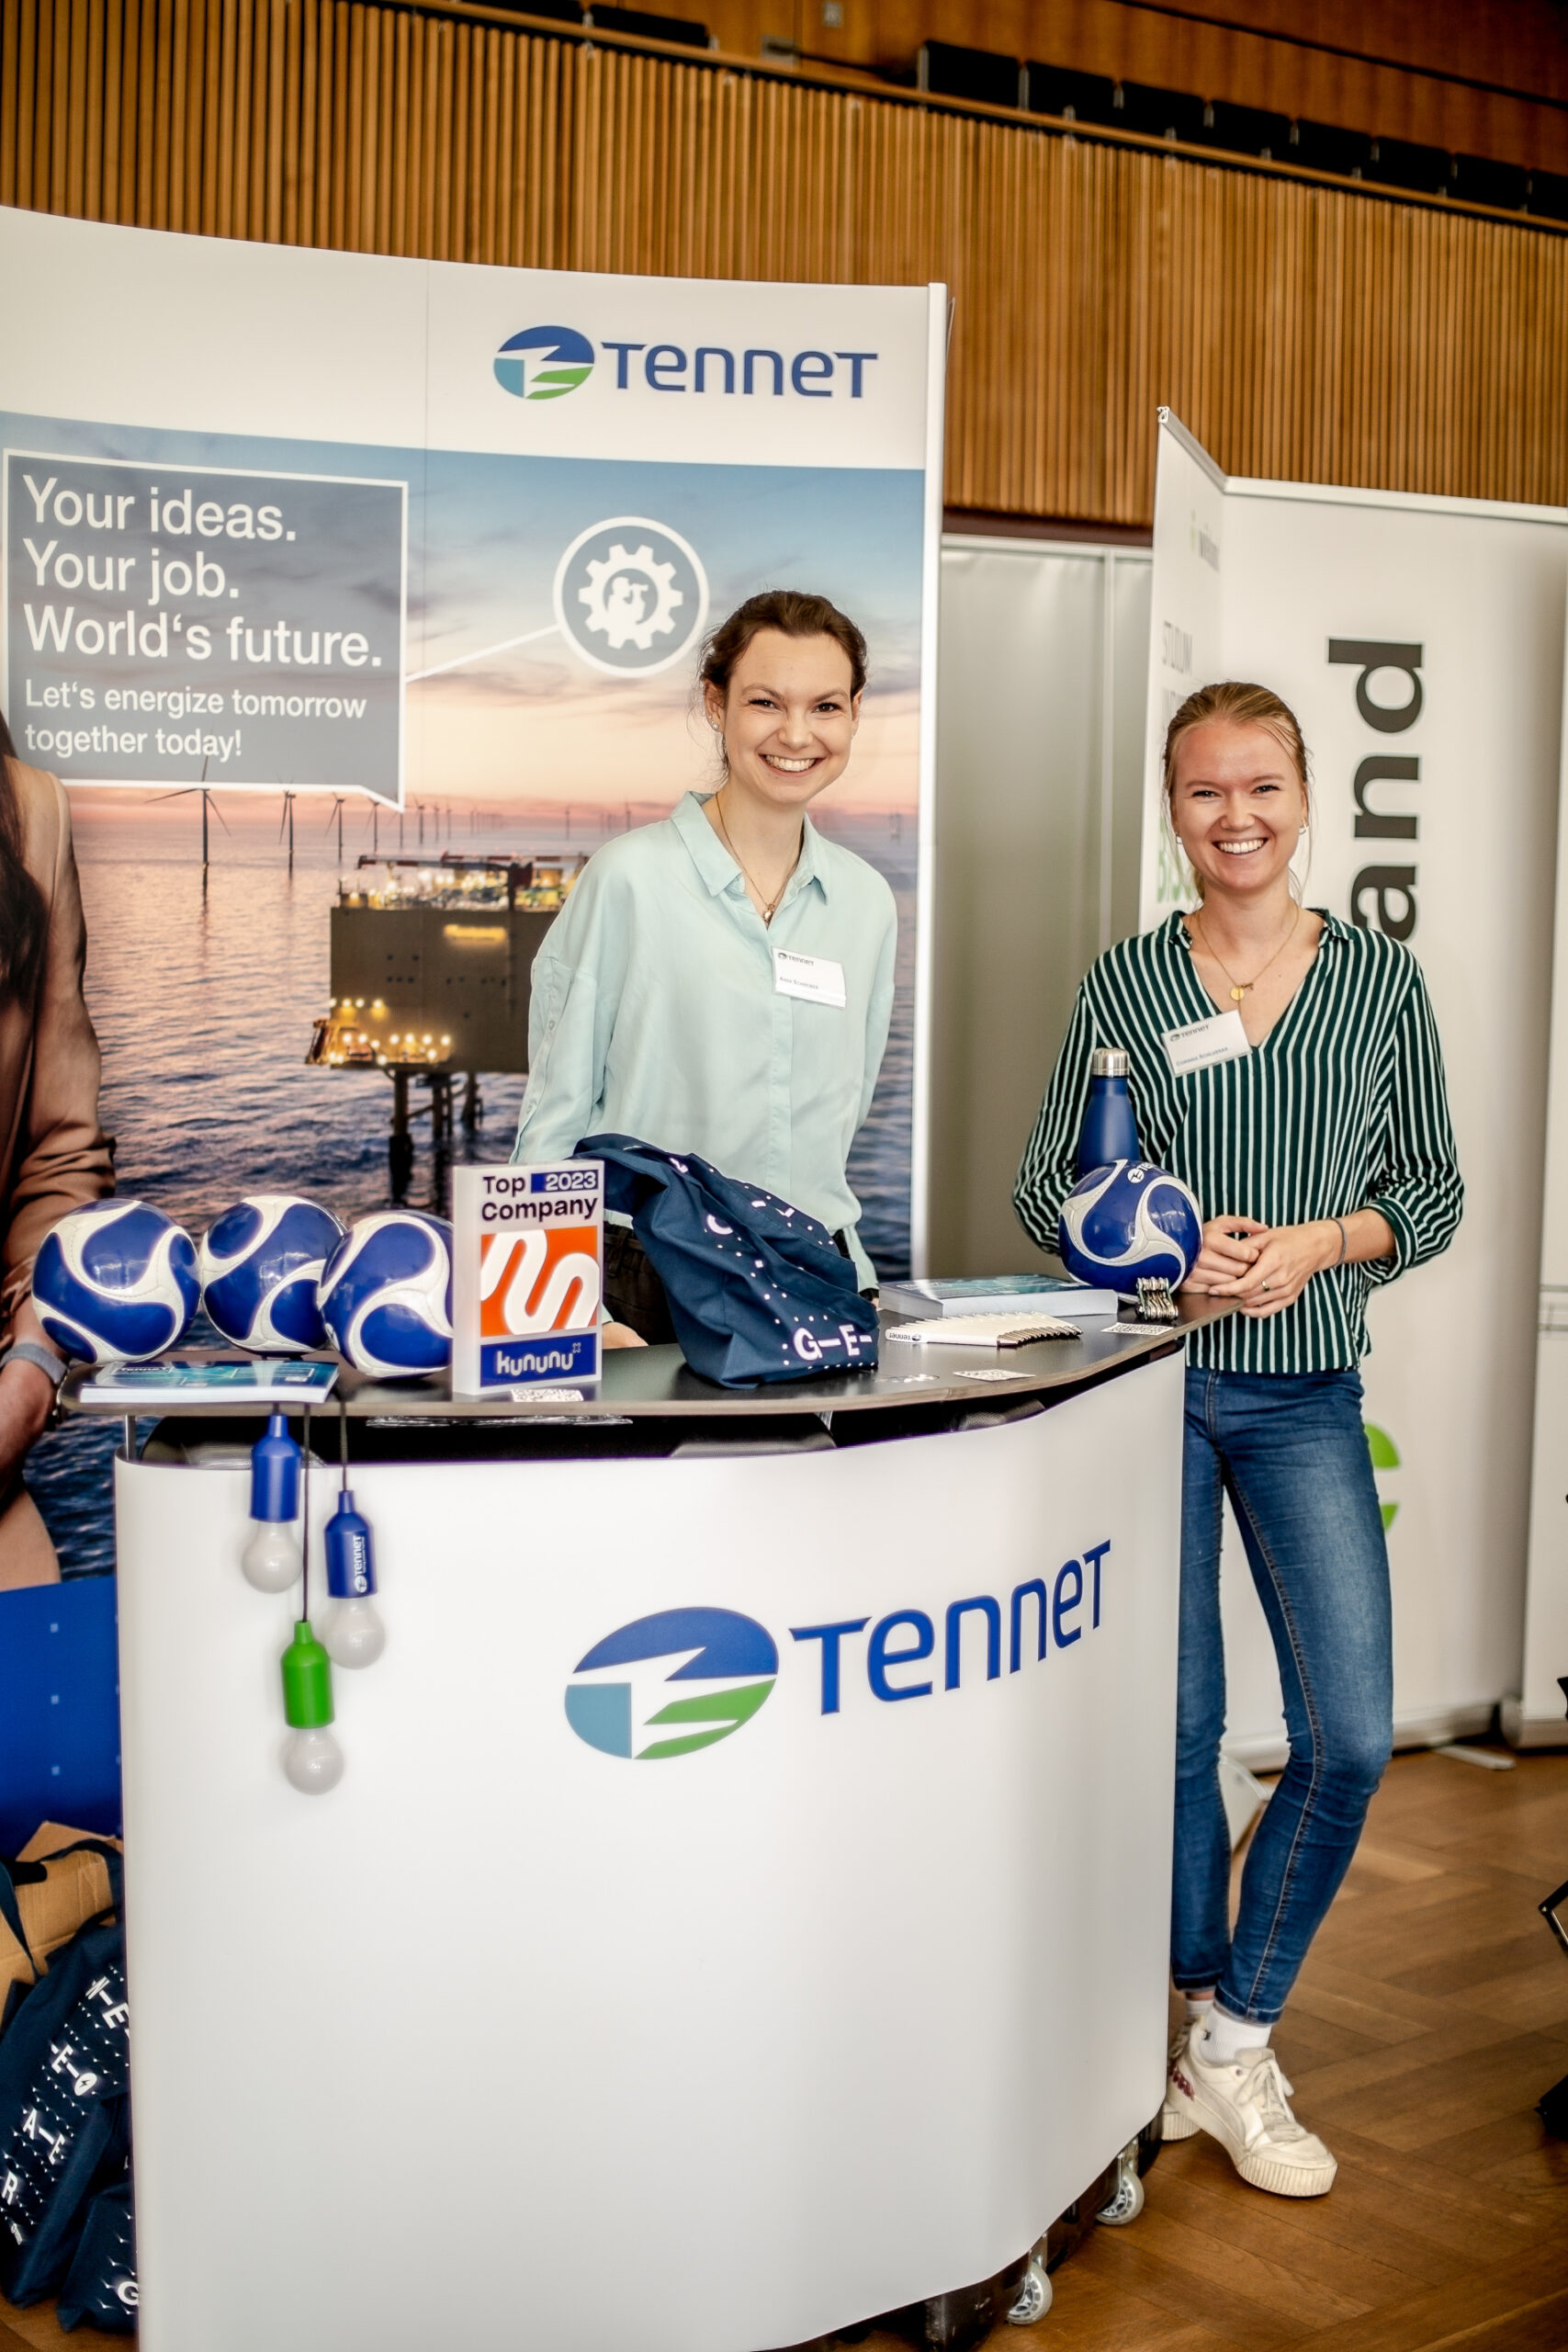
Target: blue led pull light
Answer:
pixel 272 1559
pixel 355 1634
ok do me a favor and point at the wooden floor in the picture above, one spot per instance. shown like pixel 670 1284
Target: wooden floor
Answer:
pixel 1431 2015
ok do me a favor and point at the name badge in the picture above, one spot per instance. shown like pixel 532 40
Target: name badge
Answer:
pixel 1199 1044
pixel 816 979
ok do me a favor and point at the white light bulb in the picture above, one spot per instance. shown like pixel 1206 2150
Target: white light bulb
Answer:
pixel 271 1558
pixel 313 1761
pixel 355 1634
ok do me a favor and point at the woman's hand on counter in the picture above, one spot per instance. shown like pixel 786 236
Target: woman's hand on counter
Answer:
pixel 1230 1248
pixel 620 1335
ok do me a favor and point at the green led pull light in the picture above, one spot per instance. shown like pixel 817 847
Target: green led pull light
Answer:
pixel 311 1756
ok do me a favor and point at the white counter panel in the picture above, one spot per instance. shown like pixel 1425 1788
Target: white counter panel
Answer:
pixel 505 2040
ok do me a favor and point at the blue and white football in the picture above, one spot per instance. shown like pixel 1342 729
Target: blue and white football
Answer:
pixel 1127 1222
pixel 386 1295
pixel 116 1283
pixel 260 1263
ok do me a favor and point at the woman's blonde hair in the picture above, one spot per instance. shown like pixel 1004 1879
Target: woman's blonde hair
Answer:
pixel 1243 706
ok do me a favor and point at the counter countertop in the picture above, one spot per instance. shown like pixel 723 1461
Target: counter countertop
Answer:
pixel 658 1382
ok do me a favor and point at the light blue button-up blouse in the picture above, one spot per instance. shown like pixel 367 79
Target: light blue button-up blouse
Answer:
pixel 655 1014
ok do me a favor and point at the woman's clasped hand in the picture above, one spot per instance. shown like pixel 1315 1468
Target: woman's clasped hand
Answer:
pixel 1264 1268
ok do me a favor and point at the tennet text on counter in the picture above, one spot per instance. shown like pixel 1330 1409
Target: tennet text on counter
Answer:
pixel 1054 1612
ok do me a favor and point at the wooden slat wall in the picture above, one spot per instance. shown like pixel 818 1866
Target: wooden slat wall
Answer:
pixel 1259 54
pixel 1301 332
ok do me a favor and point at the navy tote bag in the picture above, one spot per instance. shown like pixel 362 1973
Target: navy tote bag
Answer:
pixel 759 1291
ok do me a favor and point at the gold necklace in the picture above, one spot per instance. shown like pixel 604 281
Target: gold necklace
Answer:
pixel 1240 988
pixel 769 906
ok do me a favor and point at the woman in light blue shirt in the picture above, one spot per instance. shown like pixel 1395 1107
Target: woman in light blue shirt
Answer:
pixel 722 982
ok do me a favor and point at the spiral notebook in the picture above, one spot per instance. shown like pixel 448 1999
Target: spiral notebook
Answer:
pixel 1014 1331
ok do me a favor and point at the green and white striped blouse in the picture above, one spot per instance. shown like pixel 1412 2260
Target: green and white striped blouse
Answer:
pixel 1342 1107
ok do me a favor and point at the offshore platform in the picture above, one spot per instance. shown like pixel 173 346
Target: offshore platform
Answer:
pixel 430 979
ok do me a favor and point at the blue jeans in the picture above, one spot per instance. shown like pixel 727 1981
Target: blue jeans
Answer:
pixel 1291 1451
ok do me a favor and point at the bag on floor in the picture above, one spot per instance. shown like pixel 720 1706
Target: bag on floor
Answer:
pixel 61 1879
pixel 100 2286
pixel 758 1291
pixel 64 2111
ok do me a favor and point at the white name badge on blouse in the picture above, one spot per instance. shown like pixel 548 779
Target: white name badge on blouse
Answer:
pixel 816 979
pixel 1199 1044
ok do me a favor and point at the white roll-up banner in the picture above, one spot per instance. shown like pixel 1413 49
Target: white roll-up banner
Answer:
pixel 1420 642
pixel 1538 1717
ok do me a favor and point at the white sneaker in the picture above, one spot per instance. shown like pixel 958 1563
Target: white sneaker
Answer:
pixel 1244 2105
pixel 1175 2123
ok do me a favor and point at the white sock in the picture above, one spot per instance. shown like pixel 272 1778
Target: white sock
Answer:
pixel 1195 2009
pixel 1228 2038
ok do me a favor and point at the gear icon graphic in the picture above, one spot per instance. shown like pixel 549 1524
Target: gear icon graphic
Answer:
pixel 630 596
pixel 631 599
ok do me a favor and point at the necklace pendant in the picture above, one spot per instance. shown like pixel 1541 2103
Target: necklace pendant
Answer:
pixel 1237 995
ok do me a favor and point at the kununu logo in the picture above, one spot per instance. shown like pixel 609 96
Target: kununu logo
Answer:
pixel 721 1665
pixel 543 363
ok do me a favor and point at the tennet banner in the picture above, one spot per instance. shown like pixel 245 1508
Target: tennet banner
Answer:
pixel 254 496
pixel 283 520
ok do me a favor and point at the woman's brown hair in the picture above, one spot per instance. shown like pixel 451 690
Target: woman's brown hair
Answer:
pixel 23 918
pixel 793 613
pixel 1242 705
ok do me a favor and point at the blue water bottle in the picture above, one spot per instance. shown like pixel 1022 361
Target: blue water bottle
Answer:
pixel 1110 1131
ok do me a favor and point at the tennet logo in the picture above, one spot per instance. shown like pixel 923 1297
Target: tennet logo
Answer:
pixel 621 1691
pixel 814 375
pixel 544 362
pixel 622 1688
pixel 1041 1613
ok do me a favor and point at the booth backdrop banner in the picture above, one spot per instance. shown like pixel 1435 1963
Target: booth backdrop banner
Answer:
pixel 1420 642
pixel 1539 1717
pixel 438 544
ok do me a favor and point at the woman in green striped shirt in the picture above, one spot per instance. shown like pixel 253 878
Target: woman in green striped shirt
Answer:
pixel 1322 1154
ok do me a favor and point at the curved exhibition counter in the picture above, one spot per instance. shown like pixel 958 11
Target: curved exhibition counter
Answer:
pixel 833 2011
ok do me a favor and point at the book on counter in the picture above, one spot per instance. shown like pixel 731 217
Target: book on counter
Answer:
pixel 996 1294
pixel 184 1381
